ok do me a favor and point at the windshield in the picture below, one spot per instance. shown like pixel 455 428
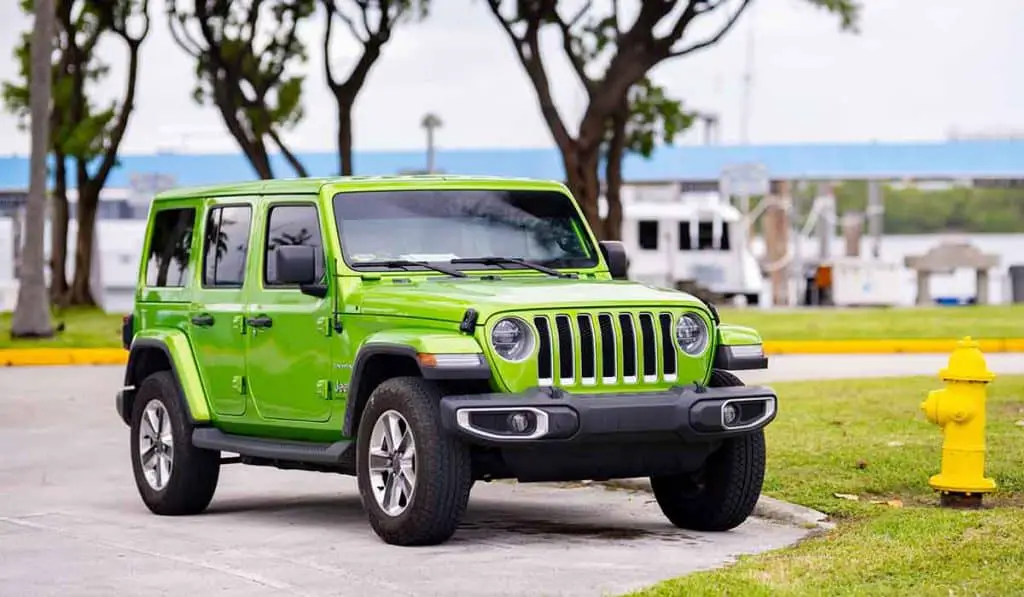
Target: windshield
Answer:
pixel 541 227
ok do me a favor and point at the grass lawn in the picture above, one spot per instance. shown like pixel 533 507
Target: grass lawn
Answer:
pixel 978 321
pixel 83 328
pixel 869 439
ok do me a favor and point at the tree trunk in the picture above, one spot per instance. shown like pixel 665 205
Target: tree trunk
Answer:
pixel 582 179
pixel 345 137
pixel 31 317
pixel 81 293
pixel 59 234
pixel 613 174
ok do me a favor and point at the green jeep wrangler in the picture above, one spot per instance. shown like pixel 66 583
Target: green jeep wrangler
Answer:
pixel 423 333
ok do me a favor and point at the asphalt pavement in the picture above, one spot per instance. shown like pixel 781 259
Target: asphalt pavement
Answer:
pixel 71 522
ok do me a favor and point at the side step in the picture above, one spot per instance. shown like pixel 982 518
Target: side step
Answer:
pixel 274 449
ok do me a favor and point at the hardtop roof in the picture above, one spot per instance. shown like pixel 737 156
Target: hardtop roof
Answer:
pixel 313 185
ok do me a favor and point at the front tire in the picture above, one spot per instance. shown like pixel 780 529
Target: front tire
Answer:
pixel 723 493
pixel 414 479
pixel 173 476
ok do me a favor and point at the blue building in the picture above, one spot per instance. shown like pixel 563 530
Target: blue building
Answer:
pixel 968 161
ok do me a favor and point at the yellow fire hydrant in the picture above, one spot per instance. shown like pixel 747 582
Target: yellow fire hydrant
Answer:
pixel 959 409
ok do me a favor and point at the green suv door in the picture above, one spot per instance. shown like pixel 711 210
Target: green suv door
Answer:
pixel 288 360
pixel 218 308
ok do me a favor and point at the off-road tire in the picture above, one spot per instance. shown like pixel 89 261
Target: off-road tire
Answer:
pixel 443 469
pixel 194 471
pixel 725 491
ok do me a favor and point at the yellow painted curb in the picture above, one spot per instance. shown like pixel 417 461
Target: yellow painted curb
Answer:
pixel 32 357
pixel 28 357
pixel 906 346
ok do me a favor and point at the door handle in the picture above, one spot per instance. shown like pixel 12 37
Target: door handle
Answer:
pixel 261 321
pixel 202 320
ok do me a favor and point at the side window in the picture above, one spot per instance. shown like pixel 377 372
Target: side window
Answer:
pixel 291 225
pixel 647 230
pixel 684 236
pixel 226 246
pixel 170 247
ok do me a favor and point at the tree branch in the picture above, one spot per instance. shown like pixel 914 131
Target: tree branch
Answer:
pixel 578 64
pixel 127 105
pixel 714 39
pixel 528 50
pixel 293 161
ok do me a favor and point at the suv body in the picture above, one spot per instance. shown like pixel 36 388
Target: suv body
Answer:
pixel 423 333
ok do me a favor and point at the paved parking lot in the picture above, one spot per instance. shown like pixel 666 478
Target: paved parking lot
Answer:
pixel 72 524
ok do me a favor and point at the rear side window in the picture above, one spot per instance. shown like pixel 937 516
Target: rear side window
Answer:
pixel 170 247
pixel 226 246
pixel 291 225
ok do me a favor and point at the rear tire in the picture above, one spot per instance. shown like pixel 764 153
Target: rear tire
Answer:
pixel 428 510
pixel 173 476
pixel 723 493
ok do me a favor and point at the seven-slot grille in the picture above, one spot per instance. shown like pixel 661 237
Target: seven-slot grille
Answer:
pixel 606 348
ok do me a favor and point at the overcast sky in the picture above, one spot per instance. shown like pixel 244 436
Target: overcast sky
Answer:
pixel 917 70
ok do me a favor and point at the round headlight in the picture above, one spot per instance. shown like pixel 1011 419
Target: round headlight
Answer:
pixel 511 339
pixel 691 334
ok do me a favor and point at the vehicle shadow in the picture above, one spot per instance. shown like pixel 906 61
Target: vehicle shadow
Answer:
pixel 487 519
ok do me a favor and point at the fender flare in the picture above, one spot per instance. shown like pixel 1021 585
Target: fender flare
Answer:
pixel 373 349
pixel 177 350
pixel 730 336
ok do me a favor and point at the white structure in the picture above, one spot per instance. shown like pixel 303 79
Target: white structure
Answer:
pixel 672 236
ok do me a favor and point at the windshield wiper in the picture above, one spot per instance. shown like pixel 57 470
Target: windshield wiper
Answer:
pixel 513 261
pixel 406 263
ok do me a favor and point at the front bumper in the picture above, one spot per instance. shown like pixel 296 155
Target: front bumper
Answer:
pixel 690 414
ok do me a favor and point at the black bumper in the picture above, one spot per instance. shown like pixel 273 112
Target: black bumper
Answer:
pixel 690 414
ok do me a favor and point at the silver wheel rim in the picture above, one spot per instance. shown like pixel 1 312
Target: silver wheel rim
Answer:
pixel 392 461
pixel 156 445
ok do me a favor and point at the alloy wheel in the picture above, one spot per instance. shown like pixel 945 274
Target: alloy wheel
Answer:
pixel 392 462
pixel 156 445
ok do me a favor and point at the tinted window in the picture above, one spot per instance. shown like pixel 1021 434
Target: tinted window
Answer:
pixel 170 247
pixel 440 225
pixel 226 246
pixel 647 231
pixel 291 225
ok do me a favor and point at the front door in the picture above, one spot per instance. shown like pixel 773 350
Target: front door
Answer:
pixel 218 309
pixel 289 356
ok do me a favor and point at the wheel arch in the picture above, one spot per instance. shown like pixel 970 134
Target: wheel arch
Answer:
pixel 165 351
pixel 377 362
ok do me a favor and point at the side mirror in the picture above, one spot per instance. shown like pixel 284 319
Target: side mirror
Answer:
pixel 615 254
pixel 296 264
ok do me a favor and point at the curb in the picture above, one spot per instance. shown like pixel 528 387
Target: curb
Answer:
pixel 883 346
pixel 767 507
pixel 35 357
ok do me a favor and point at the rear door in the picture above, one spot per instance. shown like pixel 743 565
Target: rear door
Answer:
pixel 217 317
pixel 288 360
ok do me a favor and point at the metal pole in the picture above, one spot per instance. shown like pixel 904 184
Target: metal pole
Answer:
pixel 876 209
pixel 430 122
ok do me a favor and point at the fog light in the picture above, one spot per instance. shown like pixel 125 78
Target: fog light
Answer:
pixel 519 422
pixel 729 414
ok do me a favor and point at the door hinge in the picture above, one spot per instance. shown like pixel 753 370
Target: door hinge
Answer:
pixel 323 324
pixel 238 323
pixel 238 383
pixel 323 389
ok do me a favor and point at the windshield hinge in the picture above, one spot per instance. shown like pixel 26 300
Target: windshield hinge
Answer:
pixel 468 321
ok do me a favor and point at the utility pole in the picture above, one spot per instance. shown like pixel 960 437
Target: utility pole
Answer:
pixel 748 81
pixel 430 122
pixel 31 317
